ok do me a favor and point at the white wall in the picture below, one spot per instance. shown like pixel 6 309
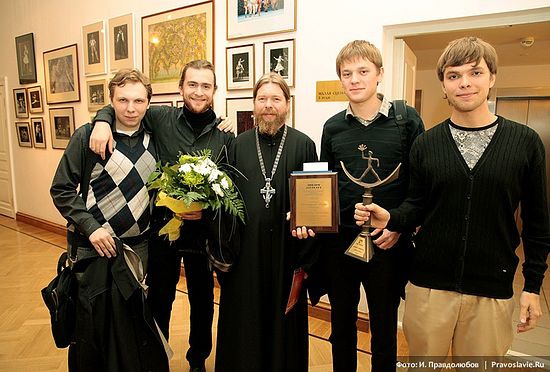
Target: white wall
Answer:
pixel 322 29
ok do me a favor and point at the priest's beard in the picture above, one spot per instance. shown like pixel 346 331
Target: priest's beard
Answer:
pixel 270 127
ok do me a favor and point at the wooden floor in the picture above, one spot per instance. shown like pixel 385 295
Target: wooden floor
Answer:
pixel 28 256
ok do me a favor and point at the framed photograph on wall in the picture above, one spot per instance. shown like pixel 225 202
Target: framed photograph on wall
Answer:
pixel 240 111
pixel 35 99
pixel 240 72
pixel 98 94
pixel 121 42
pixel 20 103
pixel 279 58
pixel 23 134
pixel 61 75
pixel 61 126
pixel 179 103
pixel 26 62
pixel 37 127
pixel 252 18
pixel 173 38
pixel 290 120
pixel 162 103
pixel 94 48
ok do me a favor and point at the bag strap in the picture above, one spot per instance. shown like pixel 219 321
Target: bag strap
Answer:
pixel 61 262
pixel 402 119
pixel 89 158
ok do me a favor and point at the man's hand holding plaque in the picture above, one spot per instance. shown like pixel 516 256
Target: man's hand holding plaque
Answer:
pixel 314 201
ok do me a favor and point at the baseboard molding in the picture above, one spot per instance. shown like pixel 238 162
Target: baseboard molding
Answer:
pixel 322 311
pixel 43 224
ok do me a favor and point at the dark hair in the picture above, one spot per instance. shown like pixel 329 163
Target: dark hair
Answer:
pixel 130 75
pixel 198 64
pixel 467 50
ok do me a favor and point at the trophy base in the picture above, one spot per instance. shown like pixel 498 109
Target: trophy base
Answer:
pixel 361 248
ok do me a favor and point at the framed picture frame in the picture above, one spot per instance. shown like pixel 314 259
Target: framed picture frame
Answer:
pixel 179 103
pixel 121 42
pixel 93 41
pixel 279 57
pixel 38 134
pixel 26 61
pixel 162 103
pixel 253 18
pixel 173 38
pixel 35 99
pixel 62 82
pixel 290 120
pixel 20 103
pixel 24 136
pixel 239 61
pixel 98 94
pixel 61 126
pixel 240 111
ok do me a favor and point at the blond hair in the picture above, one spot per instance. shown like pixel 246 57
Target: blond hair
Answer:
pixel 122 77
pixel 359 49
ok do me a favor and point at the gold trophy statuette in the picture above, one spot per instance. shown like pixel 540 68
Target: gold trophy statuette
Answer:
pixel 362 248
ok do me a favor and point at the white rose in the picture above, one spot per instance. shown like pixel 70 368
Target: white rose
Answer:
pixel 184 168
pixel 224 183
pixel 210 163
pixel 217 189
pixel 214 175
pixel 202 168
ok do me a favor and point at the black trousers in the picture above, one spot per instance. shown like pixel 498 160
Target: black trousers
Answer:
pixel 380 280
pixel 163 276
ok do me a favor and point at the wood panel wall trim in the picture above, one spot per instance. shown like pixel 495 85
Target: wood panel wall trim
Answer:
pixel 39 222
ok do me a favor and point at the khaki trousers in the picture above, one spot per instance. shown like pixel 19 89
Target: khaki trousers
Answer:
pixel 436 320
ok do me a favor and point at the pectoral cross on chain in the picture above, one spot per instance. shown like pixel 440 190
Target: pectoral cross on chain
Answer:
pixel 267 192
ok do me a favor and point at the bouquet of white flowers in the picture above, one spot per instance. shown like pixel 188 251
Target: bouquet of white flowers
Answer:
pixel 193 183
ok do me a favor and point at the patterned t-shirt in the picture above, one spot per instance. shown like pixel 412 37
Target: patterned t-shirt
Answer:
pixel 472 142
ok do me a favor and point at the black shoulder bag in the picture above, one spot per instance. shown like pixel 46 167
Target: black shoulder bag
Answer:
pixel 61 293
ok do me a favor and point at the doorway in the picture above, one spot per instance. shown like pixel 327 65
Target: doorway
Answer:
pixel 6 190
pixel 428 39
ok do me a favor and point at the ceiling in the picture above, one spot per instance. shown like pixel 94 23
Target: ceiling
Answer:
pixel 505 39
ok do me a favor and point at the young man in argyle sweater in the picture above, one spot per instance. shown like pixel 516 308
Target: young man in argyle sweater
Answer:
pixel 110 312
pixel 469 175
pixel 117 202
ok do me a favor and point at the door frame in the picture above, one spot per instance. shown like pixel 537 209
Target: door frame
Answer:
pixel 9 151
pixel 392 32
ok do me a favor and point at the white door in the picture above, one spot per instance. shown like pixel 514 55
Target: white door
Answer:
pixel 6 192
pixel 404 72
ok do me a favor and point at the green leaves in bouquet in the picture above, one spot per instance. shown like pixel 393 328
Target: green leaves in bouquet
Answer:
pixel 196 178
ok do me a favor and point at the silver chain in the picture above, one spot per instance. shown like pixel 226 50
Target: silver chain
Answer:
pixel 267 191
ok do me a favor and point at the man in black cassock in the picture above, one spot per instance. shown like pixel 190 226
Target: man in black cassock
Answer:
pixel 254 334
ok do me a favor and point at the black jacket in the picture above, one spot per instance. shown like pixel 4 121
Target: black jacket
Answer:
pixel 115 330
pixel 468 237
